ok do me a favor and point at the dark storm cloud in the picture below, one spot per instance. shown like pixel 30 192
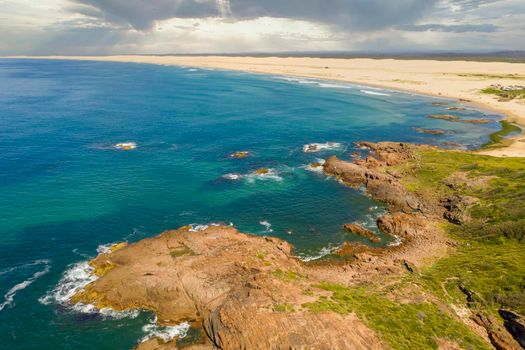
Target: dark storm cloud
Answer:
pixel 452 28
pixel 141 14
pixel 352 14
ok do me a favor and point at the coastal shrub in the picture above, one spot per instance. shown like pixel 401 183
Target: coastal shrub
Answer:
pixel 505 94
pixel 494 272
pixel 287 276
pixel 283 308
pixel 401 325
pixel 498 232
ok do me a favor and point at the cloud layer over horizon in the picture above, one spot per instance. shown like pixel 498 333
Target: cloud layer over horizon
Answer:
pixel 191 26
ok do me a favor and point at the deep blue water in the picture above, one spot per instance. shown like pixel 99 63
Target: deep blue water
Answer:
pixel 65 189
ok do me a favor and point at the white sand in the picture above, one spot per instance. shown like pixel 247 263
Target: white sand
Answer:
pixel 451 79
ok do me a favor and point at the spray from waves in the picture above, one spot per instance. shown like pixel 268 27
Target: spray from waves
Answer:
pixel 322 253
pixel 11 293
pixel 267 174
pixel 73 280
pixel 319 147
pixel 166 333
pixel 267 225
pixel 317 166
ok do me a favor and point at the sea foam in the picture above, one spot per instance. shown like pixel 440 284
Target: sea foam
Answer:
pixel 375 93
pixel 73 280
pixel 165 333
pixel 9 297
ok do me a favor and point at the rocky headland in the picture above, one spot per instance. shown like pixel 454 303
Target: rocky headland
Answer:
pixel 240 291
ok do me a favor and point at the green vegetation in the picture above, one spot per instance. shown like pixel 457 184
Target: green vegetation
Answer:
pixel 401 325
pixel 287 276
pixel 493 76
pixel 491 247
pixel 504 94
pixel 181 251
pixel 497 139
pixel 283 308
pixel 260 255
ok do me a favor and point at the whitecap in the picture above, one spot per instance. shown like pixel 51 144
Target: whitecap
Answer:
pixel 193 70
pixel 232 176
pixel 267 225
pixel 375 93
pixel 319 147
pixel 335 86
pixel 11 293
pixel 317 169
pixel 165 333
pixel 322 253
pixel 203 227
pixel 271 174
pixel 126 146
pixel 73 280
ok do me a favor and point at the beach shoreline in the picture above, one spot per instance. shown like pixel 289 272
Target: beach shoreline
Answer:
pixel 461 80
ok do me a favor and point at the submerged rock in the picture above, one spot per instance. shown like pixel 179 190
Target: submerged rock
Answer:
pixel 451 118
pixel 240 154
pixel 430 131
pixel 361 231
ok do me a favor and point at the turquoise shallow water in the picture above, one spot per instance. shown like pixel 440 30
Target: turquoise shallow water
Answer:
pixel 65 189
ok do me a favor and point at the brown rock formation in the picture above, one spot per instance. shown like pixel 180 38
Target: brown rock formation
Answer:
pixel 240 154
pixel 515 324
pixel 245 291
pixel 499 337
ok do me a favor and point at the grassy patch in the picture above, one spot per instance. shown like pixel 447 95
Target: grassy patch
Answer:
pixel 283 308
pixel 497 138
pixel 489 258
pixel 501 199
pixel 401 325
pixel 181 251
pixel 504 94
pixel 494 272
pixel 287 276
pixel 260 255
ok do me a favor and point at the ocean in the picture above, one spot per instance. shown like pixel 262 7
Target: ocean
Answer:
pixel 67 190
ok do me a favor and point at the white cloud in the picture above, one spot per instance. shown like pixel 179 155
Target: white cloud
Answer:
pixel 137 26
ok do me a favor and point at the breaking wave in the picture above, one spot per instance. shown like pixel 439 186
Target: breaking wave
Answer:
pixel 165 333
pixel 375 93
pixel 73 280
pixel 9 297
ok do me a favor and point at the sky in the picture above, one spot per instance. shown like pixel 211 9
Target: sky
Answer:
pixel 102 27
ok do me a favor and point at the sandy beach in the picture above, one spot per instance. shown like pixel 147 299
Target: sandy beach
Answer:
pixel 449 79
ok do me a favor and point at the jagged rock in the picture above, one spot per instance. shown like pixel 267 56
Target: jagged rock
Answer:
pixel 361 231
pixel 381 186
pixel 228 285
pixel 457 208
pixel 498 335
pixel 515 324
pixel 400 224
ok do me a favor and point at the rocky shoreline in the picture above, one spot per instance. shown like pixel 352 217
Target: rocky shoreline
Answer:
pixel 250 292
